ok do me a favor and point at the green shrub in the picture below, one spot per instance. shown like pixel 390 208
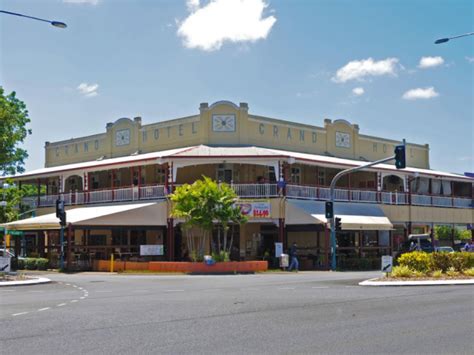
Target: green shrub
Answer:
pixel 437 274
pixel 401 271
pixel 30 263
pixel 440 261
pixel 469 272
pixel 462 261
pixel 452 272
pixel 417 261
pixel 20 264
pixel 42 264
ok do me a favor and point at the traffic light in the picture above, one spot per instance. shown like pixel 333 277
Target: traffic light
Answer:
pixel 337 224
pixel 400 162
pixel 61 212
pixel 329 210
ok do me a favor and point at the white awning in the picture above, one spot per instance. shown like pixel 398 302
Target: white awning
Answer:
pixel 354 216
pixel 142 214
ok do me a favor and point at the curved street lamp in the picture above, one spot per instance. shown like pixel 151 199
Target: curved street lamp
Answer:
pixel 54 23
pixel 444 40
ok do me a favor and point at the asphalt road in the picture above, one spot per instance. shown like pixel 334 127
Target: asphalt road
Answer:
pixel 317 312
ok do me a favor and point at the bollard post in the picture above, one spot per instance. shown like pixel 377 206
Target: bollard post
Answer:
pixel 112 262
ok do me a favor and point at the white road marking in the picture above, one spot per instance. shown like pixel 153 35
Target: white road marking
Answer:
pixel 320 287
pixel 81 298
pixel 174 290
pixel 351 286
pixel 36 291
pixel 286 288
pixel 61 304
pixel 74 301
pixel 19 314
pixel 43 309
pixel 68 284
pixel 80 288
pixel 74 286
pixel 110 291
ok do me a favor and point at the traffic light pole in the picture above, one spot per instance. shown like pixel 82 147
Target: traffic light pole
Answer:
pixel 331 188
pixel 61 242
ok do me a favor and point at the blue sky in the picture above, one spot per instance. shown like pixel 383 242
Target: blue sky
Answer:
pixel 298 60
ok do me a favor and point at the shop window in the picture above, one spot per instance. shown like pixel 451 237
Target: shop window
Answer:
pixel 119 237
pixel 295 175
pixel 369 239
pixel 137 237
pixel 96 239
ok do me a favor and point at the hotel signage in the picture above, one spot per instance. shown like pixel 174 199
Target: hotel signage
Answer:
pixel 256 208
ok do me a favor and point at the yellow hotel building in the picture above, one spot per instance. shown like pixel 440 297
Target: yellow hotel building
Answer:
pixel 115 186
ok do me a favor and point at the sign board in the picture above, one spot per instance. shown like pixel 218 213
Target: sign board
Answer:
pixel 154 249
pixel 387 263
pixel 256 208
pixel 278 249
pixel 5 263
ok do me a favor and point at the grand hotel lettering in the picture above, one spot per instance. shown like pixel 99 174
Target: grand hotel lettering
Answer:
pixel 277 132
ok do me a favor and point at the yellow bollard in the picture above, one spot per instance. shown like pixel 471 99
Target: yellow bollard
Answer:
pixel 112 262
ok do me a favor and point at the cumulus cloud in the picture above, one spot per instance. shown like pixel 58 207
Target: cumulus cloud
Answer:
pixel 90 2
pixel 430 62
pixel 88 90
pixel 420 94
pixel 358 91
pixel 209 26
pixel 360 69
pixel 470 59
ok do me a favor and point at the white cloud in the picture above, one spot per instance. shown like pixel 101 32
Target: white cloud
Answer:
pixel 192 5
pixel 88 90
pixel 430 62
pixel 470 59
pixel 359 69
pixel 358 91
pixel 90 2
pixel 419 93
pixel 209 26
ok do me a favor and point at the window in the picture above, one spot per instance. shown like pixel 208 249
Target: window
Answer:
pixel 86 147
pixel 96 144
pixel 144 136
pixel 119 237
pixel 96 239
pixel 160 175
pixel 270 175
pixel 157 133
pixel 321 177
pixel 295 175
pixel 224 173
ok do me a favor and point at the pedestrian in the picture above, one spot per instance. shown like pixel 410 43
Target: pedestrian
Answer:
pixel 467 247
pixel 294 258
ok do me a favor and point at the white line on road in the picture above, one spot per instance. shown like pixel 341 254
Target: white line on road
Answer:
pixel 73 301
pixel 19 314
pixel 43 309
pixel 68 284
pixel 80 288
pixel 81 298
pixel 320 287
pixel 36 291
pixel 286 288
pixel 61 304
pixel 174 290
pixel 74 286
pixel 111 291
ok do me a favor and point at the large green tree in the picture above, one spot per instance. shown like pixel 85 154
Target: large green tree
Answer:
pixel 203 205
pixel 13 131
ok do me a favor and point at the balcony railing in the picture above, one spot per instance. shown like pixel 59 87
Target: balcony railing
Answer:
pixel 256 191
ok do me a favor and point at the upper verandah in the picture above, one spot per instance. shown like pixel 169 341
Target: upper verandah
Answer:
pixel 223 124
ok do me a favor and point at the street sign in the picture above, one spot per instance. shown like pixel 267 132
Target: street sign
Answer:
pixel 387 262
pixel 5 263
pixel 278 249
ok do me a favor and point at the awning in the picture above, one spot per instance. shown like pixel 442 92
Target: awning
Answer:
pixel 141 214
pixel 354 216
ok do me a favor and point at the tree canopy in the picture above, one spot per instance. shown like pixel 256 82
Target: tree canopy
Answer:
pixel 13 131
pixel 202 205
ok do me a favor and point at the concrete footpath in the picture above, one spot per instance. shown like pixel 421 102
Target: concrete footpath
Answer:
pixel 376 282
pixel 27 282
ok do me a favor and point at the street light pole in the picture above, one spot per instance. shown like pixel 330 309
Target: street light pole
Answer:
pixel 444 40
pixel 54 23
pixel 331 192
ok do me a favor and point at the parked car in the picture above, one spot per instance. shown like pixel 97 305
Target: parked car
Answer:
pixel 444 250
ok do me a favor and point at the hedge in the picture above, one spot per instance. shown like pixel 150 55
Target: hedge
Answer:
pixel 33 264
pixel 429 262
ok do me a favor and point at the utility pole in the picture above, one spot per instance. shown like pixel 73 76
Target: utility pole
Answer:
pixel 400 163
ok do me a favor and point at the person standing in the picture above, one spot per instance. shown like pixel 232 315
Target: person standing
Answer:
pixel 294 258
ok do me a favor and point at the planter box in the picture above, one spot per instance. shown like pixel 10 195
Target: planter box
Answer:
pixel 184 267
